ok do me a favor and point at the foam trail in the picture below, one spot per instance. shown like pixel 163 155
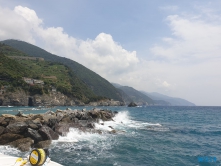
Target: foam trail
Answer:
pixel 75 135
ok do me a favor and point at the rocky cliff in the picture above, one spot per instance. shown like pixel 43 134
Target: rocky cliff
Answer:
pixel 20 98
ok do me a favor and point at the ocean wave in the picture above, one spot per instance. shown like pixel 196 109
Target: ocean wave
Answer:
pixel 122 123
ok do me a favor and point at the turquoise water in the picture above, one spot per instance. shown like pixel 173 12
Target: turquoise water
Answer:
pixel 155 136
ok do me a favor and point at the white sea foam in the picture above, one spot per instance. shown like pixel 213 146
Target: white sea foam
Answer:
pixel 8 150
pixel 121 122
pixel 75 135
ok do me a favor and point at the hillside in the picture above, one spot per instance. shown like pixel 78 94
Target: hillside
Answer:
pixel 14 65
pixel 96 83
pixel 172 100
pixel 135 96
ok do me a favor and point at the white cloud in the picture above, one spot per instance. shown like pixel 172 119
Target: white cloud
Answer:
pixel 29 15
pixel 103 54
pixel 192 39
pixel 13 26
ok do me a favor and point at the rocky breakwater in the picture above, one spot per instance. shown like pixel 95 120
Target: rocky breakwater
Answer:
pixel 38 130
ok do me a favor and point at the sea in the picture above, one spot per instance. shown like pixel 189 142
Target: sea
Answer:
pixel 146 136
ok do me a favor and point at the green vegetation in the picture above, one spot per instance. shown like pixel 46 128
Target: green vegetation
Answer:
pixel 53 74
pixel 93 81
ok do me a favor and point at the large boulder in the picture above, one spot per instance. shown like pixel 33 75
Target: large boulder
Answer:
pixel 2 129
pixel 34 135
pixel 32 125
pixel 16 127
pixel 5 119
pixel 9 137
pixel 47 133
pixel 43 144
pixel 23 144
pixel 38 122
pixel 132 104
pixel 62 129
pixel 95 114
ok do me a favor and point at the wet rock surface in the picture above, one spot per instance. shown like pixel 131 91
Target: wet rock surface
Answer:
pixel 38 130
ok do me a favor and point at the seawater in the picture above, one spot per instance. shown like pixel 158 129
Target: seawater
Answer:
pixel 152 136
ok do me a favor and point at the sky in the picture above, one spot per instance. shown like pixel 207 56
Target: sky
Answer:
pixel 170 47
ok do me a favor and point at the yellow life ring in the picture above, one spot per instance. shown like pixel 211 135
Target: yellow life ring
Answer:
pixel 37 157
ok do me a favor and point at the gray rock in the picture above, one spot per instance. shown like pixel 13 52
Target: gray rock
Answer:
pixel 62 128
pixel 9 137
pixel 43 144
pixel 2 129
pixel 16 127
pixel 23 144
pixel 47 133
pixel 34 135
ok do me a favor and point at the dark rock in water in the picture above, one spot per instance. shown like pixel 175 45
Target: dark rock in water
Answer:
pixel 113 132
pixel 16 127
pixel 2 129
pixel 34 135
pixel 111 127
pixel 91 125
pixel 9 137
pixel 43 144
pixel 94 114
pixel 47 133
pixel 132 104
pixel 23 144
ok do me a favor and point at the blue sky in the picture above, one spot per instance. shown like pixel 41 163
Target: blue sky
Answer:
pixel 171 47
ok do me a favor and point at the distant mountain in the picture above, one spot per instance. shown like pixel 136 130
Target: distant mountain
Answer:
pixel 99 85
pixel 172 100
pixel 130 94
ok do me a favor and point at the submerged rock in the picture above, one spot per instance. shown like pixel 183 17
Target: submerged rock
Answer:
pixel 132 104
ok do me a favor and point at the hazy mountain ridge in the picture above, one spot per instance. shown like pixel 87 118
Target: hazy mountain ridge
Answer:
pixel 130 94
pixel 172 100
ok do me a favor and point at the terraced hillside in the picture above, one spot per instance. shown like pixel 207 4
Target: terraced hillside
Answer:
pixel 99 85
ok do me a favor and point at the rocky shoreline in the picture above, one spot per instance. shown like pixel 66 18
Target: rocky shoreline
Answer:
pixel 38 130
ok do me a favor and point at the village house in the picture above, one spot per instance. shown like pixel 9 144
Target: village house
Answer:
pixel 53 89
pixel 28 80
pixel 38 82
pixel 33 81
